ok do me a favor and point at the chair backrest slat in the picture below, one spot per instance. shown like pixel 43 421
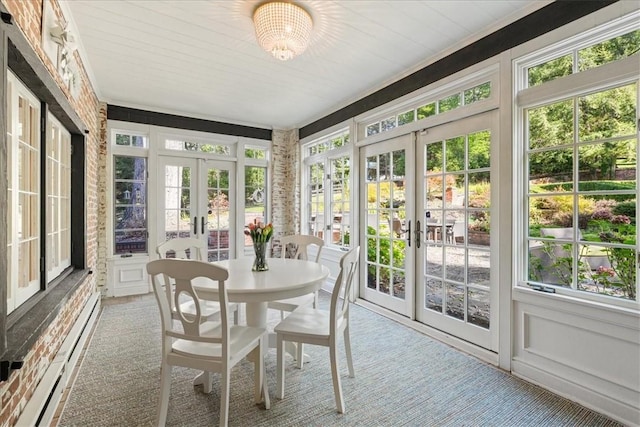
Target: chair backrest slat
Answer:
pixel 301 242
pixel 179 246
pixel 343 286
pixel 182 272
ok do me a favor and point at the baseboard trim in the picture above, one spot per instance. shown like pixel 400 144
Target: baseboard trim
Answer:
pixel 604 404
pixel 464 346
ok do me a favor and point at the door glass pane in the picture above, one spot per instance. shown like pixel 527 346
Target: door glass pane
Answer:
pixel 455 305
pixel 340 196
pixel 255 178
pixel 454 160
pixel 433 295
pixel 217 224
pixel 478 304
pixel 316 200
pixel 178 221
pixel 386 223
pixel 479 150
pixel 478 267
pixel 454 263
pixel 457 215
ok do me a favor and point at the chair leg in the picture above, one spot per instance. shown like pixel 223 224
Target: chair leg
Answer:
pixel 225 377
pixel 280 366
pixel 207 386
pixel 347 347
pixel 337 387
pixel 259 378
pixel 299 355
pixel 264 382
pixel 236 316
pixel 165 390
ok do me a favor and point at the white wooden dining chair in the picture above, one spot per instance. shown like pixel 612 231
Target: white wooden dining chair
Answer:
pixel 300 243
pixel 320 327
pixel 199 344
pixel 192 248
pixel 455 230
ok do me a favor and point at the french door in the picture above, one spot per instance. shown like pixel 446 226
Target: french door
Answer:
pixel 457 288
pixel 427 228
pixel 195 200
pixel 388 273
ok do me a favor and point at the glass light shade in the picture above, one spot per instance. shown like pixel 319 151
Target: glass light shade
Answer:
pixel 283 29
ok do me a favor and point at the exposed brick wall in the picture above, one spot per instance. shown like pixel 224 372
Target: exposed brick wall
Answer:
pixel 285 185
pixel 15 393
pixel 103 208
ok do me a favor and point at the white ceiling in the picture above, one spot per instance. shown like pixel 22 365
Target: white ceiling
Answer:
pixel 200 58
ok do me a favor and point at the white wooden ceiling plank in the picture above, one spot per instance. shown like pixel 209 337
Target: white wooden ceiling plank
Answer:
pixel 200 58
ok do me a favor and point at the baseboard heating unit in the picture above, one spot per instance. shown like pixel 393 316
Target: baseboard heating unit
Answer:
pixel 44 402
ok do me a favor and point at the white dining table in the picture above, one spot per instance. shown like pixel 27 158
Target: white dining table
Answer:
pixel 286 278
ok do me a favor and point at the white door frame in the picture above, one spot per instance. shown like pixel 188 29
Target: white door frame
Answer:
pixel 485 338
pixel 404 306
pixel 198 214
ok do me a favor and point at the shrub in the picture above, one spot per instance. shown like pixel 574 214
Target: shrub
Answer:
pixel 620 219
pixel 625 208
pixel 604 214
pixel 562 219
pixel 605 204
pixel 583 220
pixel 480 195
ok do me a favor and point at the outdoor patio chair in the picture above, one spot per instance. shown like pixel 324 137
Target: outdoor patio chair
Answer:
pixel 455 230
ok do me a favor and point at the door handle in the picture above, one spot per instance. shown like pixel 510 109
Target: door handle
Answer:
pixel 409 233
pixel 195 225
pixel 202 225
pixel 418 234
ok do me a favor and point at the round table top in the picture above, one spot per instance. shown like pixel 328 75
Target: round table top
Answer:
pixel 286 278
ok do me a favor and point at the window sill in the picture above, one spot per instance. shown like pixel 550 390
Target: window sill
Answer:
pixel 579 306
pixel 27 326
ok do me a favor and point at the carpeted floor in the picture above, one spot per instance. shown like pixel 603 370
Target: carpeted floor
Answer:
pixel 403 378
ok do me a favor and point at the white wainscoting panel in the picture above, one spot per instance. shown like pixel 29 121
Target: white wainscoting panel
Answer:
pixel 586 352
pixel 127 276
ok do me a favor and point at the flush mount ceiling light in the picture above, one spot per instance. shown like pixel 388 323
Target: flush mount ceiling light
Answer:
pixel 283 29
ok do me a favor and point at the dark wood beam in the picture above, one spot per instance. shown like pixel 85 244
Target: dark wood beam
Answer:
pixel 125 114
pixel 527 28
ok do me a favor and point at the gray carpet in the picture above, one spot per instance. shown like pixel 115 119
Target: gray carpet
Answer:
pixel 403 378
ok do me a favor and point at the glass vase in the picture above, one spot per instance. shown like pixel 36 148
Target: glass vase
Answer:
pixel 260 261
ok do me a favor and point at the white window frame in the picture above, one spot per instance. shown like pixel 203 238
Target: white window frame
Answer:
pixel 326 158
pixel 246 248
pixel 479 74
pixel 58 230
pixel 17 295
pixel 610 75
pixel 127 151
pixel 164 135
